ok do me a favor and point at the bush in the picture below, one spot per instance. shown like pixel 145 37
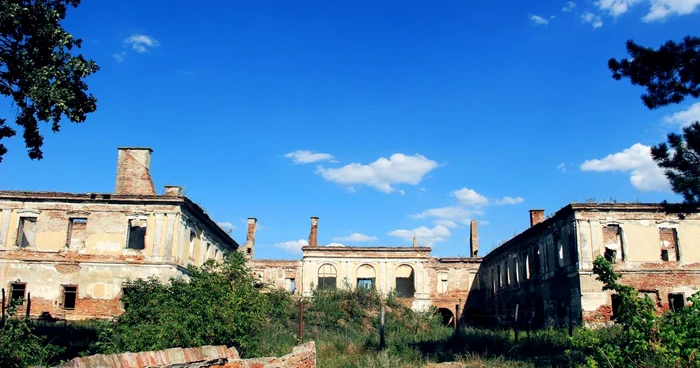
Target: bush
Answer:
pixel 641 337
pixel 20 346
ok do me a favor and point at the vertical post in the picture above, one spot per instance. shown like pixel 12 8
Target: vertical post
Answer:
pixel 456 318
pixel 515 325
pixel 29 303
pixel 3 306
pixel 571 322
pixel 381 327
pixel 301 322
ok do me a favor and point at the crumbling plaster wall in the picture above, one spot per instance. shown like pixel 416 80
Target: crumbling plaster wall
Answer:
pixel 101 264
pixel 276 273
pixel 384 262
pixel 461 276
pixel 640 262
pixel 535 270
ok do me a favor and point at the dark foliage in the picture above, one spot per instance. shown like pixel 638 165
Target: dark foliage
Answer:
pixel 670 73
pixel 38 72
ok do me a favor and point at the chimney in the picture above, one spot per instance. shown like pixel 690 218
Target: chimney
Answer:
pixel 415 242
pixel 133 172
pixel 536 216
pixel 313 236
pixel 173 191
pixel 249 247
pixel 473 239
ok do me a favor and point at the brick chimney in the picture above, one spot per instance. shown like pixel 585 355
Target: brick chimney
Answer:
pixel 313 236
pixel 133 172
pixel 173 190
pixel 473 239
pixel 536 216
pixel 249 247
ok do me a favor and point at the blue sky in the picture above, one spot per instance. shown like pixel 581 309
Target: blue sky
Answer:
pixel 384 118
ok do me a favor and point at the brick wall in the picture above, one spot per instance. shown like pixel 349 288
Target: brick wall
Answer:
pixel 303 356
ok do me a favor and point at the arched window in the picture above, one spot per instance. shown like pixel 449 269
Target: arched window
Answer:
pixel 405 283
pixel 327 277
pixel 366 277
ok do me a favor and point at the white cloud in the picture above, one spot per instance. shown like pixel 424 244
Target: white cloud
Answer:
pixel 307 157
pixel 226 226
pixel 456 214
pixel 119 56
pixel 335 245
pixel 685 117
pixel 470 197
pixel 355 237
pixel 141 43
pixel 561 167
pixel 470 204
pixel 594 20
pixel 662 9
pixel 645 175
pixel 425 236
pixel 659 10
pixel 292 246
pixel 538 20
pixel 569 7
pixel 509 200
pixel 445 223
pixel 383 173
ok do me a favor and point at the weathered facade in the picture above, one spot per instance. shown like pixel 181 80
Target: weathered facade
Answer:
pixel 546 271
pixel 411 272
pixel 74 253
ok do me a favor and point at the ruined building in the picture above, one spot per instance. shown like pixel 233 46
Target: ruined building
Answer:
pixel 74 253
pixel 547 270
pixel 544 273
pixel 411 272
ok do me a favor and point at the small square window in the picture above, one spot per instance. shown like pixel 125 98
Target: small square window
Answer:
pixel 70 295
pixel 676 301
pixel 136 238
pixel 17 291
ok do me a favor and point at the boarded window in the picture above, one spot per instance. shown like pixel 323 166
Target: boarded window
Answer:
pixel 327 275
pixel 612 239
pixel 137 234
pixel 405 284
pixel 27 232
pixel 77 230
pixel 70 295
pixel 17 291
pixel 676 301
pixel 669 244
pixel 443 284
pixel 366 277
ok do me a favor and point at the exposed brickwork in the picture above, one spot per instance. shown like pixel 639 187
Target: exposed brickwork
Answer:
pixel 313 235
pixel 133 172
pixel 303 356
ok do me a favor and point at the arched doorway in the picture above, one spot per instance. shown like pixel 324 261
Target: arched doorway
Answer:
pixel 366 277
pixel 405 282
pixel 448 318
pixel 327 275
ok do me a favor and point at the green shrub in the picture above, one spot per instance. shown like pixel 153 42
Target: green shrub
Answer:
pixel 20 346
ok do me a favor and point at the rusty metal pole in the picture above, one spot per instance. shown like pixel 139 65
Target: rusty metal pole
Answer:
pixel 381 327
pixel 29 303
pixel 3 306
pixel 301 322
